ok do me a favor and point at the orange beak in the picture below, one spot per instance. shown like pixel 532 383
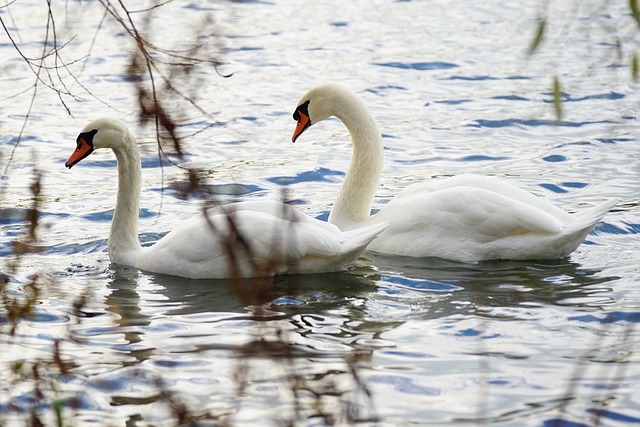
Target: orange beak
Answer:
pixel 83 149
pixel 303 124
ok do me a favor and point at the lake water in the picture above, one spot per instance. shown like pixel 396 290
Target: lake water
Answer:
pixel 392 342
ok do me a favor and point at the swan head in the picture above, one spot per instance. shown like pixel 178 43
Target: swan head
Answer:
pixel 101 133
pixel 320 103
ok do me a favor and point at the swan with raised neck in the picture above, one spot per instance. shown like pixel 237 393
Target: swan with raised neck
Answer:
pixel 244 239
pixel 123 244
pixel 464 218
pixel 353 204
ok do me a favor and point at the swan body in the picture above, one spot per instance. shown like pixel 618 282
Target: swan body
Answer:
pixel 253 238
pixel 466 218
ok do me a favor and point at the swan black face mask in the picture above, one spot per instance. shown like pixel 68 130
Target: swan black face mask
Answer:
pixel 84 147
pixel 301 115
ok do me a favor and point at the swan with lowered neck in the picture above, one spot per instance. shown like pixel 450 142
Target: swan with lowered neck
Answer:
pixel 465 218
pixel 236 240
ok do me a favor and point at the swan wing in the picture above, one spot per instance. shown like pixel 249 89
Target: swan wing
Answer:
pixel 267 234
pixel 270 225
pixel 255 237
pixel 471 211
pixel 488 183
pixel 202 238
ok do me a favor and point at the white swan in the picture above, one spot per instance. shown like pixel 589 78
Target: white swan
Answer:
pixel 236 240
pixel 465 218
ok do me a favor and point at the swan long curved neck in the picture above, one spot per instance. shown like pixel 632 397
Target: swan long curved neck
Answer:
pixel 353 204
pixel 123 236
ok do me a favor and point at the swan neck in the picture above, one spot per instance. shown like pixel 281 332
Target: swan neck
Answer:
pixel 123 237
pixel 354 201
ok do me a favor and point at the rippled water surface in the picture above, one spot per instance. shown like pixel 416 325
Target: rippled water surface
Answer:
pixel 393 341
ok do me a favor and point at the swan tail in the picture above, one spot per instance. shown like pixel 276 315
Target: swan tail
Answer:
pixel 578 229
pixel 587 219
pixel 360 238
pixel 554 245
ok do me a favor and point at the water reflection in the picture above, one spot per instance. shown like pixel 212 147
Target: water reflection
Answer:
pixel 496 284
pixel 143 300
pixel 336 313
pixel 491 284
pixel 212 337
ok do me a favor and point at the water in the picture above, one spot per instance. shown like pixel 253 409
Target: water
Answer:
pixel 433 342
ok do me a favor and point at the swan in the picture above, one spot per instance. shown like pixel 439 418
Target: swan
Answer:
pixel 245 239
pixel 467 218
